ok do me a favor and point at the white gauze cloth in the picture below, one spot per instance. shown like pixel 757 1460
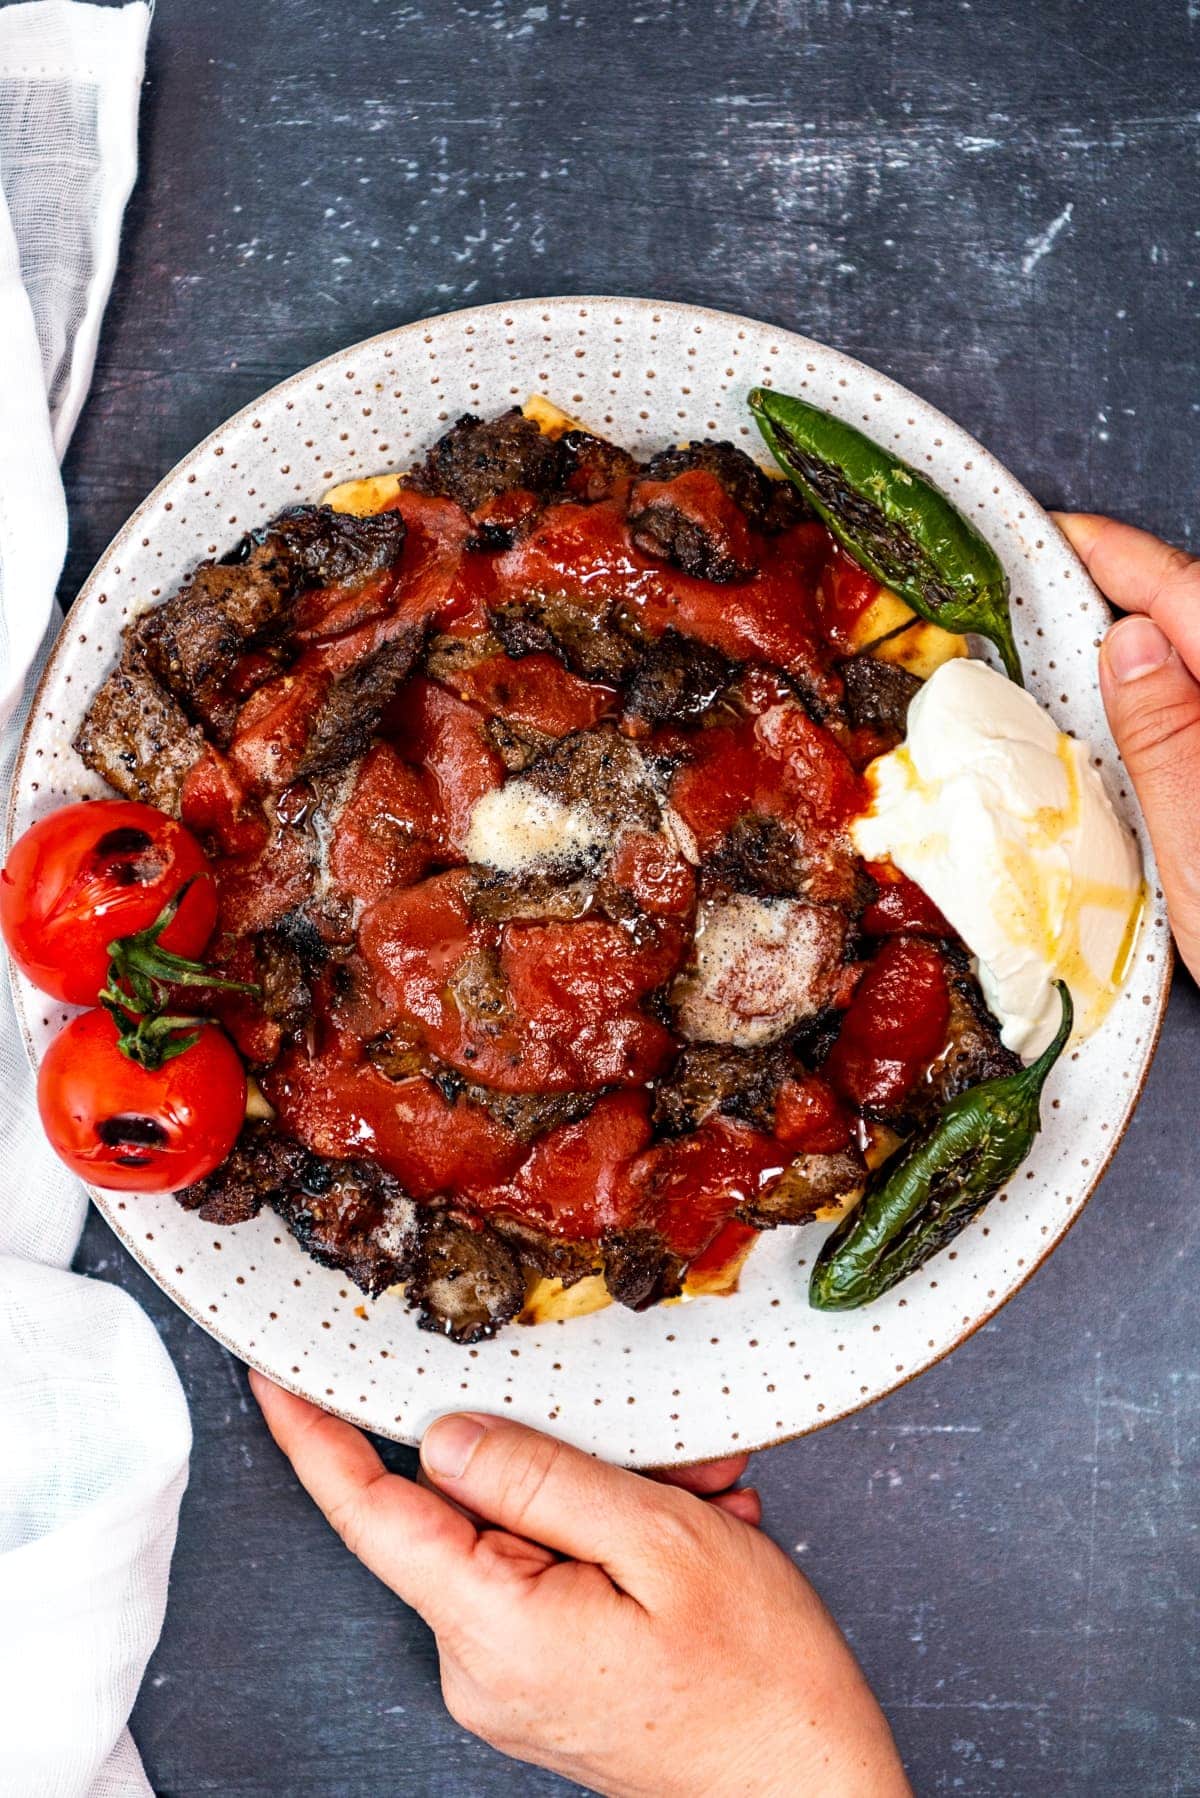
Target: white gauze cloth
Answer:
pixel 94 1434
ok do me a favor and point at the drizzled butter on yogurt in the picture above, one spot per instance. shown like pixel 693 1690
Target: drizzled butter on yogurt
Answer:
pixel 1000 818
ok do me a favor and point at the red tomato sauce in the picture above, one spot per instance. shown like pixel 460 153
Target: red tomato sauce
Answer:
pixel 554 1006
pixel 689 1186
pixel 572 1184
pixel 777 765
pixel 895 1026
pixel 346 1108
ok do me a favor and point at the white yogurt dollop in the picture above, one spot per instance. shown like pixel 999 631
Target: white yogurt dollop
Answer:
pixel 999 817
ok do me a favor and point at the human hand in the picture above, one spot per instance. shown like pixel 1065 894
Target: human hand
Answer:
pixel 622 1631
pixel 1150 680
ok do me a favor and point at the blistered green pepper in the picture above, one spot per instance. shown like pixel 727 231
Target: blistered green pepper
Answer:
pixel 898 525
pixel 941 1179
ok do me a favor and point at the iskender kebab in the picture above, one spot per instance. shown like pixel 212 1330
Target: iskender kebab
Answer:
pixel 542 818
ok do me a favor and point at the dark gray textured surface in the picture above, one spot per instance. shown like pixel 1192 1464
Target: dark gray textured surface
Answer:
pixel 995 203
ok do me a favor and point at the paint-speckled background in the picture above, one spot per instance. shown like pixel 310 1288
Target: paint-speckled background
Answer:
pixel 995 202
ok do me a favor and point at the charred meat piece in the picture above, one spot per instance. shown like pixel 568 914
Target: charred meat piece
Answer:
pixel 602 770
pixel 516 744
pixel 190 644
pixel 448 657
pixel 396 1057
pixel 552 893
pixel 352 1216
pixel 225 608
pixel 348 1215
pixel 762 967
pixel 806 1187
pixel 692 522
pixel 314 546
pixel 593 468
pixel 710 1077
pixel 478 988
pixel 738 477
pixel 760 855
pixel 328 917
pixel 137 738
pixel 556 1257
pixel 260 1164
pixel 347 717
pixel 677 680
pixel 878 695
pixel 699 505
pixel 283 973
pixel 525 1115
pixel 757 856
pixel 591 643
pixel 529 1115
pixel 479 459
pixel 467 1282
pixel 974 1051
pixel 639 1269
pixel 786 507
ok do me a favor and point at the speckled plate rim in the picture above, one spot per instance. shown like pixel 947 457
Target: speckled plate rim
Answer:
pixel 929 418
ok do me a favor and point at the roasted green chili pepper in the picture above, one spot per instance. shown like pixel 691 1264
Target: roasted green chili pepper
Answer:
pixel 893 521
pixel 940 1181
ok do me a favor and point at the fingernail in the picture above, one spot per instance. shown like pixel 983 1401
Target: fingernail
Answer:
pixel 448 1445
pixel 1135 647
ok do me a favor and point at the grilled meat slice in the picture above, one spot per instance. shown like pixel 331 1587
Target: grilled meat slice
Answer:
pixel 529 1115
pixel 396 1057
pixel 347 717
pixel 710 1077
pixel 677 680
pixel 556 1257
pixel 974 1051
pixel 136 737
pixel 246 600
pixel 593 468
pixel 516 744
pixel 348 1215
pixel 552 893
pixel 259 1165
pixel 757 856
pixel 478 459
pixel 590 642
pixel 768 505
pixel 762 967
pixel 283 973
pixel 806 1187
pixel 639 1269
pixel 878 695
pixel 353 1216
pixel 690 522
pixel 602 770
pixel 479 989
pixel 314 546
pixel 700 506
pixel 190 643
pixel 525 1115
pixel 466 1281
pixel 602 778
pixel 447 657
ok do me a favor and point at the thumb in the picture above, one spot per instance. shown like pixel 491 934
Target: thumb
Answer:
pixel 539 1488
pixel 1153 705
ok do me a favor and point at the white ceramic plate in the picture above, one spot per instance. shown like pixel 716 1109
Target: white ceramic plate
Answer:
pixel 683 1382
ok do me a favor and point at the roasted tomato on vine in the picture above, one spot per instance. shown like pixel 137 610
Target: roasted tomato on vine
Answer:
pixel 120 1124
pixel 89 874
